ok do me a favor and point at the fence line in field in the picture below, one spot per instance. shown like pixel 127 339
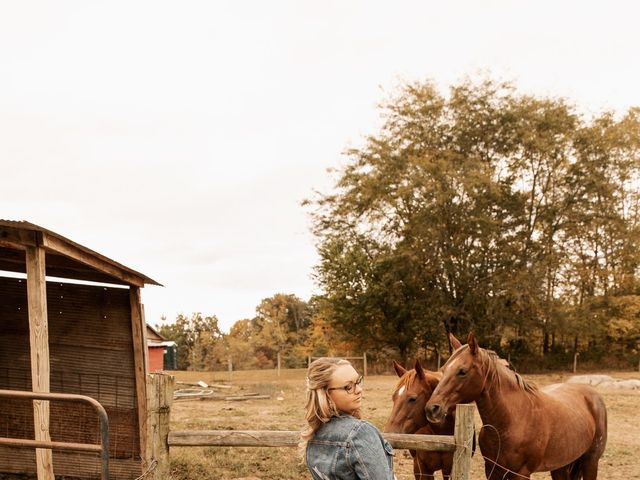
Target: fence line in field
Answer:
pixel 230 369
pixel 160 438
pixel 363 358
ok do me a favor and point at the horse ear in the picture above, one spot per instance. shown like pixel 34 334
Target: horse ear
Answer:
pixel 400 370
pixel 419 370
pixel 455 343
pixel 473 345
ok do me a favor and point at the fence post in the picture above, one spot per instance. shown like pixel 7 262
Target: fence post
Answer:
pixel 278 364
pixel 159 397
pixel 364 362
pixel 575 362
pixel 463 434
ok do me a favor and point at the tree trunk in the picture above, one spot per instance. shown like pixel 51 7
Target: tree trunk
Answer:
pixel 545 342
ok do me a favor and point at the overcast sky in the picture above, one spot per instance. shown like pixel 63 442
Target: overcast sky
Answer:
pixel 180 137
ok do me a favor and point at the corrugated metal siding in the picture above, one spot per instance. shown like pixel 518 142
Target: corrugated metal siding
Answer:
pixel 91 353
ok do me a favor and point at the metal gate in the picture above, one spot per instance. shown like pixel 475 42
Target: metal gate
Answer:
pixel 103 447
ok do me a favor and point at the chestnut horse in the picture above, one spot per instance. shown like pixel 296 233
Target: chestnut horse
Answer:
pixel 407 416
pixel 561 428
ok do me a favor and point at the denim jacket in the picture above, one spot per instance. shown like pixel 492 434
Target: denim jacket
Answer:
pixel 346 448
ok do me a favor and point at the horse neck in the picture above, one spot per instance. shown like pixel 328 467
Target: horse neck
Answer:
pixel 501 399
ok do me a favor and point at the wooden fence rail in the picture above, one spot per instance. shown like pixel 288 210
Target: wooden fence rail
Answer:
pixel 162 438
pixel 290 438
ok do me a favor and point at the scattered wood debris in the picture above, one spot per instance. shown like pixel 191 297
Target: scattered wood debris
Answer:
pixel 206 394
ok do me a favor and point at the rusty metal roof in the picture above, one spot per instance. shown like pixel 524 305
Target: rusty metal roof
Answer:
pixel 64 258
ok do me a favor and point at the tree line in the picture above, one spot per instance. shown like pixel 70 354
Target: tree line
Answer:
pixel 477 208
pixel 284 324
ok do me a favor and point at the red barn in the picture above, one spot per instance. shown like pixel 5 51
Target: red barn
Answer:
pixel 160 351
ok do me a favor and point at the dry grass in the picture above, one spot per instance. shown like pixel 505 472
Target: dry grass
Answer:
pixel 619 462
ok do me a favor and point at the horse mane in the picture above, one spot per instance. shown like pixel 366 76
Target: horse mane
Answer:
pixel 411 376
pixel 495 364
pixel 498 363
pixel 407 379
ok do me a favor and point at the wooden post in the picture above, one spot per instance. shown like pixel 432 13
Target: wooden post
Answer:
pixel 309 362
pixel 230 366
pixel 364 362
pixel 463 434
pixel 159 397
pixel 144 338
pixel 138 331
pixel 278 364
pixel 575 362
pixel 39 343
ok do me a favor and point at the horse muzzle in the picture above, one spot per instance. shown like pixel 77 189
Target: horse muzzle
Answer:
pixel 435 413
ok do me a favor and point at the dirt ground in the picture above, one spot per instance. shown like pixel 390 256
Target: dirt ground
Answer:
pixel 283 410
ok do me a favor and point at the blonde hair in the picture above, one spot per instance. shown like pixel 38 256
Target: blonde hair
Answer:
pixel 319 407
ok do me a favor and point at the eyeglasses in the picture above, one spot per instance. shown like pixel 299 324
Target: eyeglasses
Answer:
pixel 349 387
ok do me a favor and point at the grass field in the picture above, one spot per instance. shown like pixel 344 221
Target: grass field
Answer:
pixel 284 411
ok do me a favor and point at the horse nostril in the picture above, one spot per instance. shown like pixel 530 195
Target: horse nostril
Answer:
pixel 434 410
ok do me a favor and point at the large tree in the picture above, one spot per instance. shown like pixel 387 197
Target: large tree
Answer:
pixel 281 323
pixel 199 341
pixel 464 211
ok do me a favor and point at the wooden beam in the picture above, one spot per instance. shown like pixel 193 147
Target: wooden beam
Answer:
pixel 138 329
pixel 145 340
pixel 39 341
pixel 12 245
pixel 17 236
pixel 56 245
pixel 284 438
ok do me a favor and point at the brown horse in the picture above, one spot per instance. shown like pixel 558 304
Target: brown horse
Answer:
pixel 408 416
pixel 561 428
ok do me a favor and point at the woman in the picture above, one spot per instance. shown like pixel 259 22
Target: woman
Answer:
pixel 338 445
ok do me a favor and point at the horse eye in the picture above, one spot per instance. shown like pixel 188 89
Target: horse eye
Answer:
pixel 412 399
pixel 461 372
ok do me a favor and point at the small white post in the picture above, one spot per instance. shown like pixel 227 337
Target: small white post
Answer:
pixel 575 362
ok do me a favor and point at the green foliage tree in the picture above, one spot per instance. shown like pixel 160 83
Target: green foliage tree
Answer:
pixel 281 323
pixel 603 235
pixel 472 210
pixel 198 341
pixel 240 345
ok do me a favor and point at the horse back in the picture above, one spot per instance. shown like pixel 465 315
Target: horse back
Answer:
pixel 576 415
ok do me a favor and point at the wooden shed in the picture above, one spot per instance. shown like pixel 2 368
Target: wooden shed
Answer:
pixel 82 332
